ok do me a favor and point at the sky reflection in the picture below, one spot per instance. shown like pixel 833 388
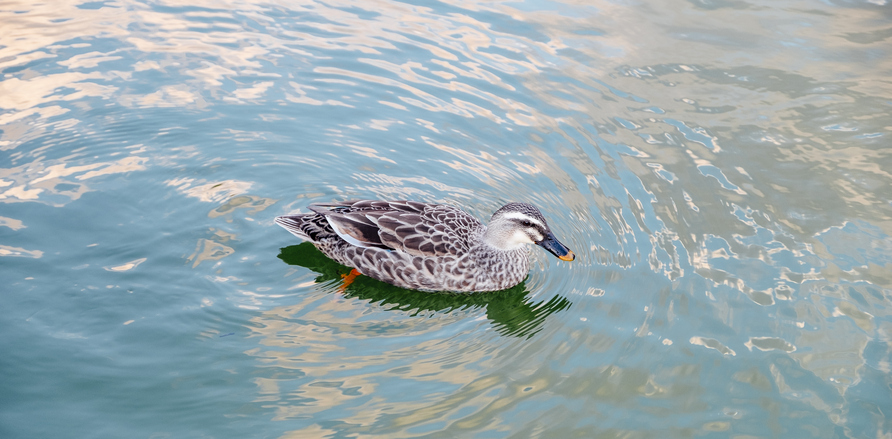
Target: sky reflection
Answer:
pixel 720 168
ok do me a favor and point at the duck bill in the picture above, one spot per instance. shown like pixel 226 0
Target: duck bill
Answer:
pixel 554 246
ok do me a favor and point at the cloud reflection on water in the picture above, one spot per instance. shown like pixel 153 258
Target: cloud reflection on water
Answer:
pixel 737 176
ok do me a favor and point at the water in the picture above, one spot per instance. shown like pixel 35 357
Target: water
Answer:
pixel 720 169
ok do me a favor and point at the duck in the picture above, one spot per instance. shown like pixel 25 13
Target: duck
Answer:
pixel 427 247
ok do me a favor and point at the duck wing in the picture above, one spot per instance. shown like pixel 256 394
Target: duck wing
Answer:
pixel 419 229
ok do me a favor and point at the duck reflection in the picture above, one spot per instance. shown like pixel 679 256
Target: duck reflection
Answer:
pixel 511 311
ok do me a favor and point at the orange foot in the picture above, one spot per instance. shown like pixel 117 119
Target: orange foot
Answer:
pixel 349 278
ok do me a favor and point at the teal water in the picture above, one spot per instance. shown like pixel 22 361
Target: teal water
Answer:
pixel 720 168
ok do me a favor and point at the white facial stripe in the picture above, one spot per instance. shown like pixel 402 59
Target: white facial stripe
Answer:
pixel 519 238
pixel 535 235
pixel 522 217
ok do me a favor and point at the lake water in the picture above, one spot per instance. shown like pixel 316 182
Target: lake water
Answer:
pixel 721 168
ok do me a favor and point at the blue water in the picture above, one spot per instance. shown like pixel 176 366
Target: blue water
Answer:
pixel 720 169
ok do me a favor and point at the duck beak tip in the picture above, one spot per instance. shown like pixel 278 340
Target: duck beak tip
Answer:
pixel 568 257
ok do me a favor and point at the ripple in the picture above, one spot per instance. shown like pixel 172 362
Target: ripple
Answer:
pixel 719 168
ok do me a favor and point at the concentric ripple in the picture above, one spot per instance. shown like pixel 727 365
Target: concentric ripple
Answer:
pixel 720 169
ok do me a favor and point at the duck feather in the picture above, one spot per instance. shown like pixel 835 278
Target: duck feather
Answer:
pixel 431 247
pixel 404 226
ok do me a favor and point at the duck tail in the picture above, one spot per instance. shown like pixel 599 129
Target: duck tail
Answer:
pixel 297 225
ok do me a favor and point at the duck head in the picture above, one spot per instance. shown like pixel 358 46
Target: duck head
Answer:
pixel 517 224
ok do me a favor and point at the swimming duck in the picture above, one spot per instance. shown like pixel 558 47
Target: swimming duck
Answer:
pixel 429 247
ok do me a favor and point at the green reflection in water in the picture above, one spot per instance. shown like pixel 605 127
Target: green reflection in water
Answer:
pixel 511 311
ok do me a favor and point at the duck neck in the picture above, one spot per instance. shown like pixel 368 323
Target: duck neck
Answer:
pixel 498 238
pixel 500 264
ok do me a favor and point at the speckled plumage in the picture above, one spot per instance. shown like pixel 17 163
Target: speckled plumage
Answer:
pixel 432 247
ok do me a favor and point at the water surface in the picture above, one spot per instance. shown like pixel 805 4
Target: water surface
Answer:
pixel 720 168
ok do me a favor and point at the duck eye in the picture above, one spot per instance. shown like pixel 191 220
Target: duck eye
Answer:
pixel 527 223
